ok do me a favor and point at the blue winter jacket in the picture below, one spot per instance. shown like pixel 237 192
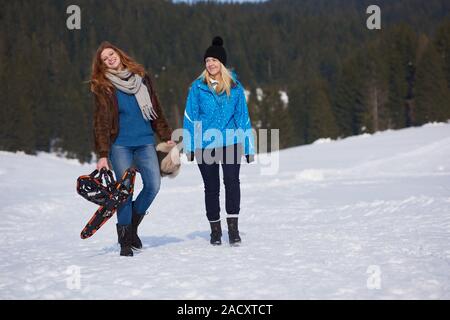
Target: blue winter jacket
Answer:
pixel 209 116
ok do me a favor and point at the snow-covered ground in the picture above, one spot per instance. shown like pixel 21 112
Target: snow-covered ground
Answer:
pixel 366 217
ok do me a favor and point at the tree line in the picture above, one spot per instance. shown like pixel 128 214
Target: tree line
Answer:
pixel 341 78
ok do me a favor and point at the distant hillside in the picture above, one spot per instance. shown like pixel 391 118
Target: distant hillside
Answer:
pixel 341 78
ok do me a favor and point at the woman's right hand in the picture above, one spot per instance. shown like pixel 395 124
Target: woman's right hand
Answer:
pixel 102 163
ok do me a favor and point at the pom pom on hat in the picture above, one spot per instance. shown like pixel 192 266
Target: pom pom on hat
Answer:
pixel 217 41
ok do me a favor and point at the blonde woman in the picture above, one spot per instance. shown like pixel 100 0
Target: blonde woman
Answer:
pixel 218 130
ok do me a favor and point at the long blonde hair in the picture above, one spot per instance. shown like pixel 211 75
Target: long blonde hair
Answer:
pixel 225 80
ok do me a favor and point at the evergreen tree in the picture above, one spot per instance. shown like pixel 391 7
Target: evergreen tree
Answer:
pixel 400 48
pixel 321 122
pixel 442 43
pixel 373 88
pixel 4 102
pixel 298 112
pixel 348 105
pixel 278 115
pixel 20 130
pixel 432 99
pixel 37 75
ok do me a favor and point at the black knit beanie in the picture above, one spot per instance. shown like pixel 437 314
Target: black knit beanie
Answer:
pixel 217 51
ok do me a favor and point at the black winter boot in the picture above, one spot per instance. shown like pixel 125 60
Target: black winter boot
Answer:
pixel 233 232
pixel 124 237
pixel 135 221
pixel 216 233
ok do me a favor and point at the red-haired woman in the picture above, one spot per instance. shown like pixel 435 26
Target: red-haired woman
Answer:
pixel 127 116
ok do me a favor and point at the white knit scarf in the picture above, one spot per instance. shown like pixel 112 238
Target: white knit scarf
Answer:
pixel 132 84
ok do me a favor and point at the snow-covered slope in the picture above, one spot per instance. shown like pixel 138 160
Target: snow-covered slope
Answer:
pixel 366 217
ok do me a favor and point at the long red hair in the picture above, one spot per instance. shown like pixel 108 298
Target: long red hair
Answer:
pixel 99 82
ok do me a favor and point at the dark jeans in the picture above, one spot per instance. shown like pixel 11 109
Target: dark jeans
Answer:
pixel 145 159
pixel 230 159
